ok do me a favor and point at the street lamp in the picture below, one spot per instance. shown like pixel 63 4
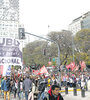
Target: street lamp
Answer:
pixel 58 60
pixel 73 47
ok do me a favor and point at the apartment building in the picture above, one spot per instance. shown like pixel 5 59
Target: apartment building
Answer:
pixel 82 22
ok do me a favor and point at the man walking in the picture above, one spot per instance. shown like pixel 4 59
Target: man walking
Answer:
pixel 27 86
pixel 5 86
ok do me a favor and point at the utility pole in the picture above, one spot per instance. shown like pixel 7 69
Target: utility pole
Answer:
pixel 58 60
pixel 59 63
pixel 73 48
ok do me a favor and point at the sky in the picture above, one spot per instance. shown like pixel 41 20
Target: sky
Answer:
pixel 36 15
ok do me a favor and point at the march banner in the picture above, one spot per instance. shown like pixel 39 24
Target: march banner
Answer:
pixel 10 52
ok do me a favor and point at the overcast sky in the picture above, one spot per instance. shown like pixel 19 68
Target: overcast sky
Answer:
pixel 36 15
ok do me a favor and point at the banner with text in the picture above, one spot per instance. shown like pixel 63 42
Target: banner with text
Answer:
pixel 10 52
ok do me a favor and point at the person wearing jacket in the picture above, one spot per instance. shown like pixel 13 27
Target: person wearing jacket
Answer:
pixel 5 86
pixel 53 94
pixel 27 85
pixel 20 89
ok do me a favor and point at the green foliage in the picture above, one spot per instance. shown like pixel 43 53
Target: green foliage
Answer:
pixel 82 45
pixel 82 40
pixel 33 52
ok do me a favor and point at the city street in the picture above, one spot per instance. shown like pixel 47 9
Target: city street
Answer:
pixel 44 49
pixel 68 96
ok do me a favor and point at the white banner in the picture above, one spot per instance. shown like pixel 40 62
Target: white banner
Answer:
pixel 10 52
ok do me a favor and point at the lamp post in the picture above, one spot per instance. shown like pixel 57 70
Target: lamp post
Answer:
pixel 73 48
pixel 58 60
pixel 59 64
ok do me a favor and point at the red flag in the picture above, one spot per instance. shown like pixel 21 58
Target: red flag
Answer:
pixel 35 72
pixel 77 67
pixel 68 66
pixel 83 65
pixel 72 66
pixel 43 70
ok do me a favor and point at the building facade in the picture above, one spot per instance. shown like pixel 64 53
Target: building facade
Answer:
pixel 82 22
pixel 9 18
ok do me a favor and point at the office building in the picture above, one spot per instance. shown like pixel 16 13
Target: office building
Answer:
pixel 9 18
pixel 82 22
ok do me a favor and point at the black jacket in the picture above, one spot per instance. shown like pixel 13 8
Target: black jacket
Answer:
pixel 51 97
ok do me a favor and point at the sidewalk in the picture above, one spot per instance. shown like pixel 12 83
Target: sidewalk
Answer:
pixel 70 95
pixel 69 89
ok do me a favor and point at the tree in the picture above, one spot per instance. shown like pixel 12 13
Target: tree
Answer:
pixel 82 40
pixel 64 40
pixel 82 45
pixel 34 51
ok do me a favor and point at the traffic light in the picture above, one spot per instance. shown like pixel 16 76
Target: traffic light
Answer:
pixel 21 32
pixel 44 52
pixel 33 66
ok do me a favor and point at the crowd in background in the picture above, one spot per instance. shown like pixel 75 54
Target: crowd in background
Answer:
pixel 25 85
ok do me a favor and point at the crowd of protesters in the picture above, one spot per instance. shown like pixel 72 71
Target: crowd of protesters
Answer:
pixel 48 87
pixel 17 86
pixel 73 81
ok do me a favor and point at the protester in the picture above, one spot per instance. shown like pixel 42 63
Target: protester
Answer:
pixel 27 85
pixel 53 94
pixel 16 87
pixel 11 84
pixel 88 84
pixel 82 83
pixel 20 87
pixel 5 86
pixel 30 96
pixel 2 78
pixel 42 85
